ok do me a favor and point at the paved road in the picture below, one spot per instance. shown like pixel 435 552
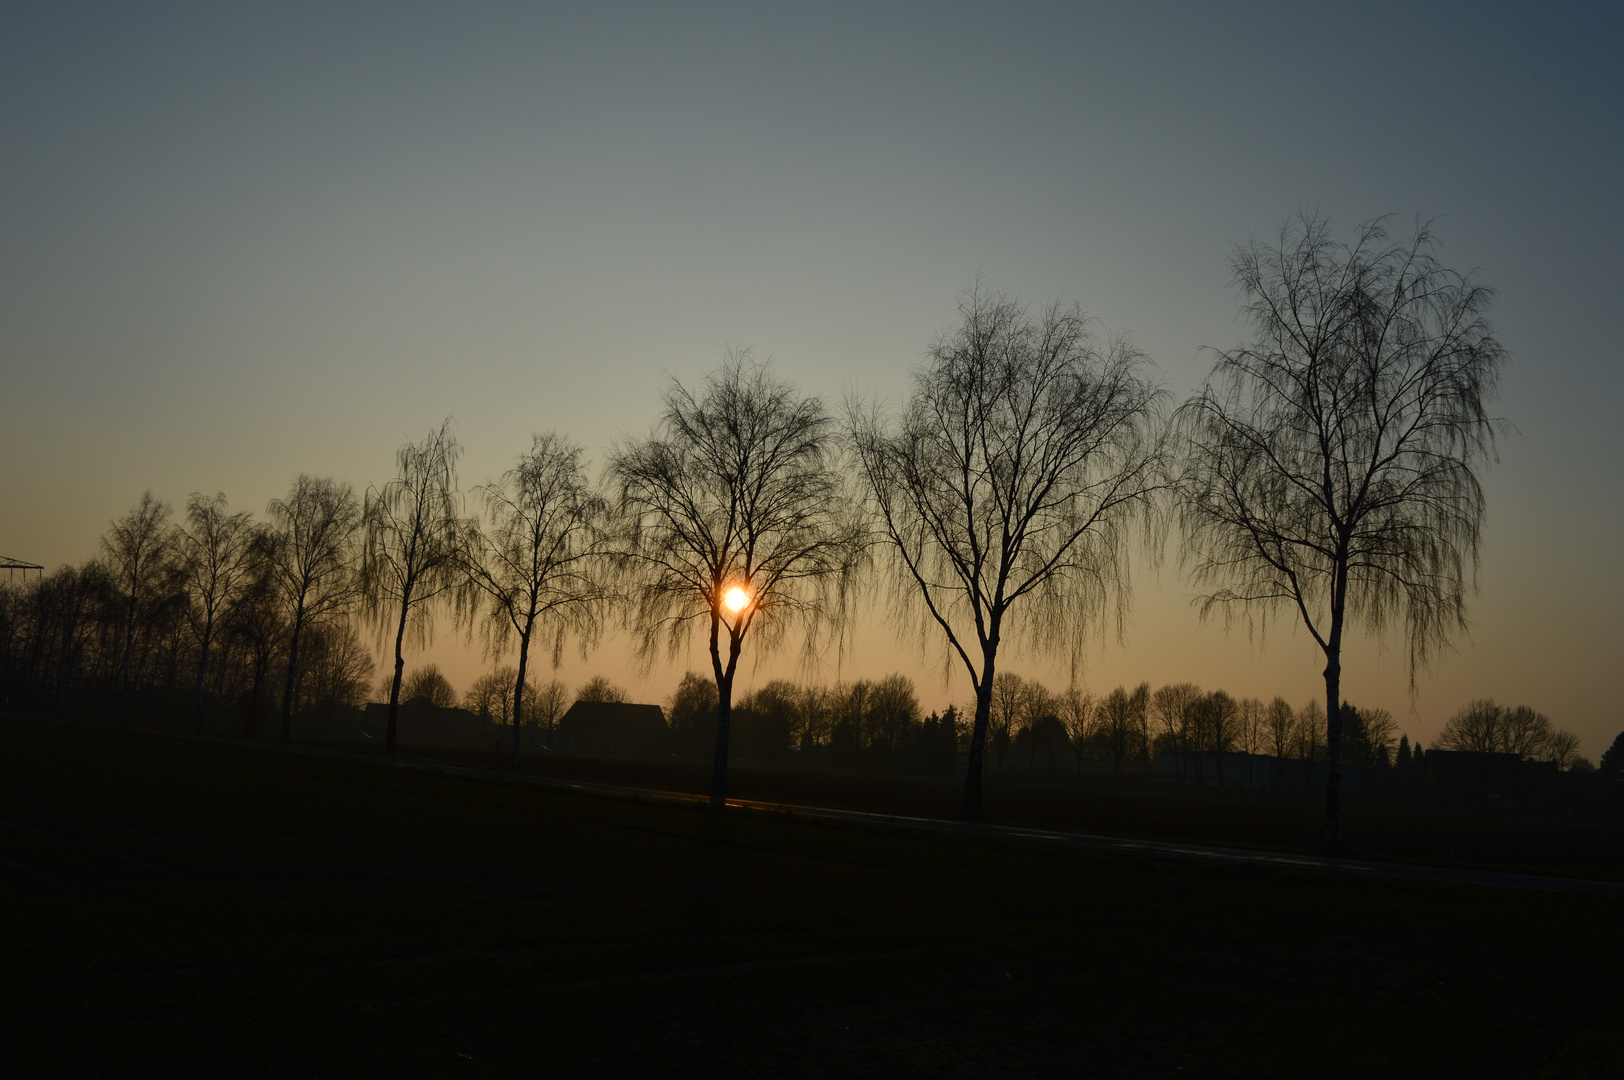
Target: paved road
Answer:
pixel 1013 834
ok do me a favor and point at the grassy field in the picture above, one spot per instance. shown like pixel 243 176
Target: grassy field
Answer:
pixel 1558 844
pixel 185 908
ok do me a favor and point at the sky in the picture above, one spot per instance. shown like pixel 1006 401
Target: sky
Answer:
pixel 239 242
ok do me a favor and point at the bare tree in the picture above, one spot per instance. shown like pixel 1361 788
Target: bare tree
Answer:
pixel 1331 464
pixel 412 551
pixel 429 683
pixel 1484 726
pixel 546 706
pixel 1562 749
pixel 690 711
pixel 1280 720
pixel 1218 715
pixel 339 666
pixel 491 695
pixel 536 563
pixel 218 556
pixel 1252 733
pixel 139 574
pixel 1305 733
pixel 1120 718
pixel 258 628
pixel 736 519
pixel 1007 486
pixel 313 563
pixel 1076 711
pixel 600 689
pixel 1004 710
pixel 1173 708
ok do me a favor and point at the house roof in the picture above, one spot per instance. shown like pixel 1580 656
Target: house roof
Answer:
pixel 614 712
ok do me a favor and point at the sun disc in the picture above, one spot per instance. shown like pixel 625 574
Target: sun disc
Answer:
pixel 736 599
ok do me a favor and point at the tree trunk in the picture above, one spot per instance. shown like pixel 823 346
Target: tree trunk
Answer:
pixel 262 660
pixel 124 670
pixel 1333 749
pixel 197 689
pixel 287 684
pixel 724 706
pixel 970 807
pixel 394 686
pixel 518 692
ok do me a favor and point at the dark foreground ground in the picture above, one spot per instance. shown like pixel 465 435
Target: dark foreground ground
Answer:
pixel 182 908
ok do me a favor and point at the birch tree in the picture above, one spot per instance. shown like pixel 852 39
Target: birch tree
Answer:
pixel 313 564
pixel 217 555
pixel 1006 489
pixel 139 574
pixel 1331 463
pixel 536 561
pixel 735 523
pixel 412 550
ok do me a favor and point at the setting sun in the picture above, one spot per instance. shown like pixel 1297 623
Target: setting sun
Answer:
pixel 736 599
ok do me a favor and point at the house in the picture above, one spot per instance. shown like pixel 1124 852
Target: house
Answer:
pixel 419 722
pixel 615 729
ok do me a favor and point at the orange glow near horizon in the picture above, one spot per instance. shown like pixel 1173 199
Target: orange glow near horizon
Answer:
pixel 736 599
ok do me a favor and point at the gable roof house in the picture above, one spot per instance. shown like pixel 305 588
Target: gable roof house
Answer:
pixel 614 728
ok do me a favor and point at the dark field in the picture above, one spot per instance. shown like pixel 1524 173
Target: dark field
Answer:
pixel 1562 844
pixel 174 907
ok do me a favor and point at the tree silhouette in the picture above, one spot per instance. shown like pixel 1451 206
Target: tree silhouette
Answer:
pixel 412 550
pixel 139 575
pixel 734 490
pixel 1612 759
pixel 312 550
pixel 1005 488
pixel 217 554
pixel 537 561
pixel 430 684
pixel 1173 708
pixel 1484 726
pixel 600 689
pixel 1331 464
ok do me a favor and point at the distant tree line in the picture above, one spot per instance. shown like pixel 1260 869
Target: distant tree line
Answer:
pixel 1328 471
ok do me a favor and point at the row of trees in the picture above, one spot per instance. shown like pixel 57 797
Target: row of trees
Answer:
pixel 1327 471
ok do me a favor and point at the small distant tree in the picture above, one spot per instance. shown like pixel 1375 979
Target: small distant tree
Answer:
pixel 1562 749
pixel 139 576
pixel 736 521
pixel 218 554
pixel 258 630
pixel 691 710
pixel 1251 732
pixel 1281 721
pixel 1173 709
pixel 1218 715
pixel 550 702
pixel 599 688
pixel 1004 710
pixel 1612 759
pixel 1007 489
pixel 430 684
pixel 338 668
pixel 491 695
pixel 313 566
pixel 537 561
pixel 893 710
pixel 1331 463
pixel 1076 712
pixel 1307 725
pixel 1484 726
pixel 1120 718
